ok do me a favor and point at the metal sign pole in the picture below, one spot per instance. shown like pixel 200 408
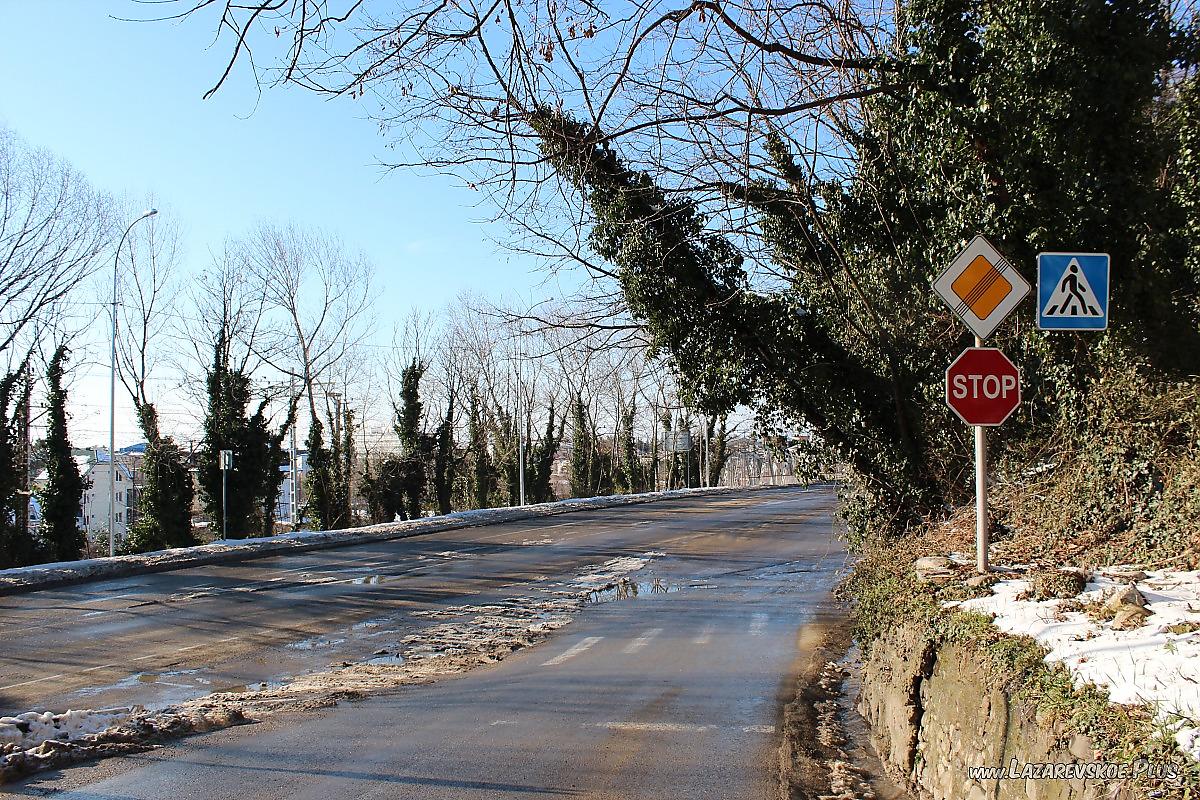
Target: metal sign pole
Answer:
pixel 226 457
pixel 981 498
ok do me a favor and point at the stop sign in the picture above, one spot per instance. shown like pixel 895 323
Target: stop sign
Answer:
pixel 982 386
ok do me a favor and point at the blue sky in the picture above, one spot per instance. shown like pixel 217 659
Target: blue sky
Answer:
pixel 122 102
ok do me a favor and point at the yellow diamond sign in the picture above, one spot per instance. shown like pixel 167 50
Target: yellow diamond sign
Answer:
pixel 981 287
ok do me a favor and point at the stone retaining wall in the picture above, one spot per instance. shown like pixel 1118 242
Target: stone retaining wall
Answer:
pixel 934 710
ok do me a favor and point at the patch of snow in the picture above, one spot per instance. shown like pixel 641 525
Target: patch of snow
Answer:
pixel 1146 665
pixel 33 727
pixel 464 637
pixel 613 570
pixel 27 578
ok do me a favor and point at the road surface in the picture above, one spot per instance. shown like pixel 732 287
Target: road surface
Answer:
pixel 674 692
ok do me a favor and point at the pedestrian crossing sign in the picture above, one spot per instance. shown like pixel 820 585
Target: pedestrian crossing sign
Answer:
pixel 1072 291
pixel 981 287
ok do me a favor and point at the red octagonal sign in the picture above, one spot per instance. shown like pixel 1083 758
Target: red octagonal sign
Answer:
pixel 982 386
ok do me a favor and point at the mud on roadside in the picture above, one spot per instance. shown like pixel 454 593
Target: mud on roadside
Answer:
pixel 825 752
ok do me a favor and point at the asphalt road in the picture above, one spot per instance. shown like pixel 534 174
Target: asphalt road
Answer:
pixel 670 693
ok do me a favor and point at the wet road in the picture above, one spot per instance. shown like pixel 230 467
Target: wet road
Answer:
pixel 667 694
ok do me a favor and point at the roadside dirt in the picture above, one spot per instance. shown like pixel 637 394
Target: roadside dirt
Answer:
pixel 825 753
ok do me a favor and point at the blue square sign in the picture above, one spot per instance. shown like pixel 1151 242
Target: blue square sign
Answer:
pixel 1072 291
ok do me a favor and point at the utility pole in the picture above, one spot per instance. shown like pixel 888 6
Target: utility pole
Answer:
pixel 520 433
pixel 293 477
pixel 25 456
pixel 112 397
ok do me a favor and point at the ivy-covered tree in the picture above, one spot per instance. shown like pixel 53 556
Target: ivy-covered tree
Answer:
pixel 505 458
pixel 540 459
pixel 319 480
pixel 61 496
pixel 414 444
pixel 445 460
pixel 856 348
pixel 383 489
pixel 229 424
pixel 481 475
pixel 164 517
pixel 17 547
pixel 630 477
pixel 718 449
pixel 581 450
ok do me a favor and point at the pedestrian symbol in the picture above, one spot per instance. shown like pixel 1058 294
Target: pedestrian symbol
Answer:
pixel 1073 291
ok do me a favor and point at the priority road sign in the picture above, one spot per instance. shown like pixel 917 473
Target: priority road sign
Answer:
pixel 982 386
pixel 981 287
pixel 1072 293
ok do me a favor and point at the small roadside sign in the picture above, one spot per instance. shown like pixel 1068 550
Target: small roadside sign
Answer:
pixel 1072 291
pixel 981 287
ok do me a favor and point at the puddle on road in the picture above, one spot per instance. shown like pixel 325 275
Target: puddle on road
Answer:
pixel 171 686
pixel 245 688
pixel 628 589
pixel 385 661
pixel 372 580
pixel 315 643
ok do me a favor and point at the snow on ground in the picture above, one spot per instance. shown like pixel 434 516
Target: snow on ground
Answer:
pixel 25 578
pixel 32 728
pixel 1157 663
pixel 464 637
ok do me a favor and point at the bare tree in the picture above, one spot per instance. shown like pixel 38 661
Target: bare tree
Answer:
pixel 317 296
pixel 149 282
pixel 55 230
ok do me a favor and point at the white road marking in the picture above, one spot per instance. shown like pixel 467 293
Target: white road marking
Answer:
pixel 656 727
pixel 143 658
pixel 229 639
pixel 528 530
pixel 27 683
pixel 573 651
pixel 189 647
pixel 102 599
pixel 505 722
pixel 758 624
pixel 759 729
pixel 641 641
pixel 704 636
pixel 102 666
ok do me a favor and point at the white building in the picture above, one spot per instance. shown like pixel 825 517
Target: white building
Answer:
pixel 283 507
pixel 96 496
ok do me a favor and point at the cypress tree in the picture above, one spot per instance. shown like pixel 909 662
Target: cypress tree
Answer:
pixel 63 493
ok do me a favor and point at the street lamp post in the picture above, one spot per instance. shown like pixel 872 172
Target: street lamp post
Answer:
pixel 112 399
